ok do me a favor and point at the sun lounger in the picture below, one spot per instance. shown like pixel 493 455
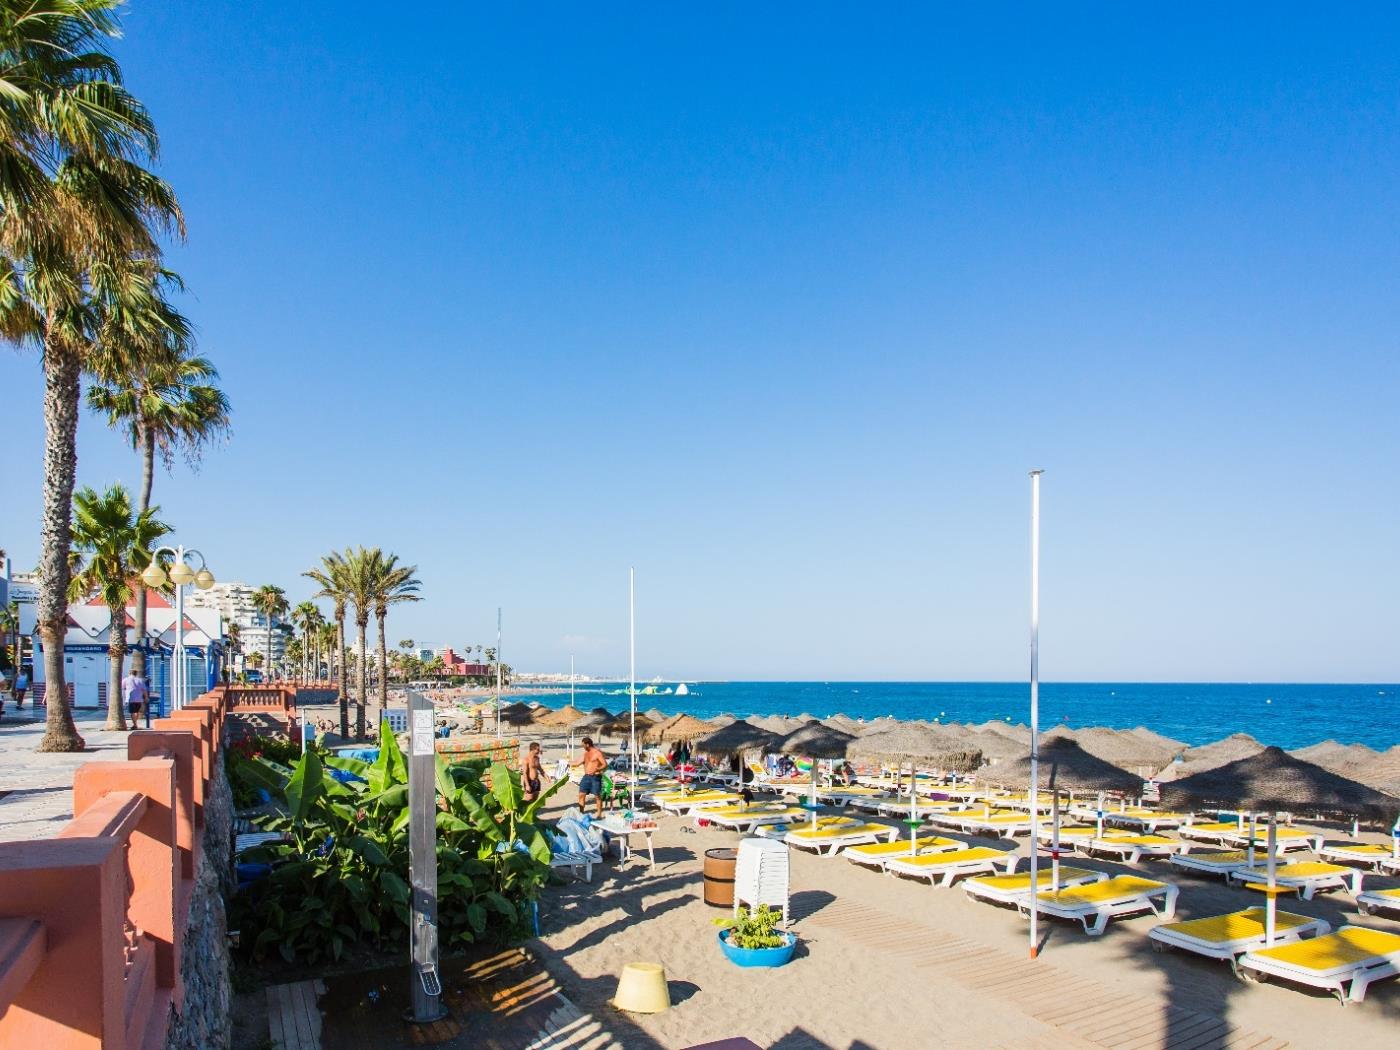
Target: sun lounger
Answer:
pixel 1005 889
pixel 1068 835
pixel 1148 819
pixel 1371 854
pixel 1307 877
pixel 943 868
pixel 1211 831
pixel 1378 900
pixel 1221 864
pixel 1000 826
pixel 828 841
pixel 877 854
pixel 1131 849
pixel 1229 936
pixel 1353 955
pixel 899 808
pixel 1287 839
pixel 743 819
pixel 576 861
pixel 684 804
pixel 1095 903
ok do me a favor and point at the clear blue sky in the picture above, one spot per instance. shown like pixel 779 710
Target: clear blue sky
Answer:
pixel 781 307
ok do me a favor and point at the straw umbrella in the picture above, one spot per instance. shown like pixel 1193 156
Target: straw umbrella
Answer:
pixel 1074 769
pixel 654 715
pixel 1124 749
pixel 1274 780
pixel 815 741
pixel 914 744
pixel 1211 756
pixel 621 724
pixel 737 737
pixel 517 715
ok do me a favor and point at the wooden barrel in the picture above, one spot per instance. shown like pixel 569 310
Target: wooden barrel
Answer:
pixel 719 876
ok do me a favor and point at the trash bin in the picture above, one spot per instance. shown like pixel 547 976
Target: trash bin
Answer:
pixel 719 876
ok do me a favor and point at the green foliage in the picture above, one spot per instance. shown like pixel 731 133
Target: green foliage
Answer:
pixel 754 929
pixel 341 881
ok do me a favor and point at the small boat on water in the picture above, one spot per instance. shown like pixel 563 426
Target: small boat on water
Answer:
pixel 682 689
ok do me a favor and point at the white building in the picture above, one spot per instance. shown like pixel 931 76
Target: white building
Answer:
pixel 232 601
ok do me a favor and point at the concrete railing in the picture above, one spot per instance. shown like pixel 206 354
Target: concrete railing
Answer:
pixel 92 920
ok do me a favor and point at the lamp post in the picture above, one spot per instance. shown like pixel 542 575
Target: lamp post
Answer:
pixel 181 575
pixel 1035 707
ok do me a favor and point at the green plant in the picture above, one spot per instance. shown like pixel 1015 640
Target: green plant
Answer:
pixel 341 879
pixel 754 929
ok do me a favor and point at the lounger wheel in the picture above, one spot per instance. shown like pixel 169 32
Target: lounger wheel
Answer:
pixel 1244 973
pixel 1363 907
pixel 1160 947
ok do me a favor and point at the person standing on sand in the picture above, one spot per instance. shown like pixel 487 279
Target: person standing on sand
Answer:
pixel 532 775
pixel 593 763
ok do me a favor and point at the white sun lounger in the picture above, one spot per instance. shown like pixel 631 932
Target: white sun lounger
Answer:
pixel 1221 864
pixel 979 824
pixel 1378 900
pixel 1307 877
pixel 878 854
pixel 827 842
pixel 744 820
pixel 1230 936
pixel 1287 840
pixel 1147 819
pixel 574 862
pixel 1372 854
pixel 942 869
pixel 1353 955
pixel 699 800
pixel 1093 904
pixel 1007 889
pixel 1212 831
pixel 1131 849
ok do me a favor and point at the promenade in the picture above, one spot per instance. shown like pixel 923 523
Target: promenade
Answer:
pixel 36 790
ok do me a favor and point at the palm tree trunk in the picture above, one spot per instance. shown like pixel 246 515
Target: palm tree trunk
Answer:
pixel 361 624
pixel 148 471
pixel 62 370
pixel 344 683
pixel 383 668
pixel 116 649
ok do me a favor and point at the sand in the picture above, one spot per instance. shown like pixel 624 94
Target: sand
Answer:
pixel 890 963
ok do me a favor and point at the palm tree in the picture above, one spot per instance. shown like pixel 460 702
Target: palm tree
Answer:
pixel 111 538
pixel 255 658
pixel 393 584
pixel 333 576
pixel 233 641
pixel 361 583
pixel 325 643
pixel 271 602
pixel 307 617
pixel 165 399
pixel 79 221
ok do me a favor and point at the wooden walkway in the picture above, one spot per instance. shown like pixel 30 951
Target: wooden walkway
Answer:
pixel 1088 1012
pixel 293 1016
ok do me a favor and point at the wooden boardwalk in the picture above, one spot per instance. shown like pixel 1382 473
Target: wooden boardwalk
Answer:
pixel 1088 1012
pixel 293 1016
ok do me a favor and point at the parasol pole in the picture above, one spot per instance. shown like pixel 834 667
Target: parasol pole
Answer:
pixel 913 810
pixel 1035 706
pixel 1253 830
pixel 1271 908
pixel 632 683
pixel 1098 818
pixel 1395 839
pixel 1054 837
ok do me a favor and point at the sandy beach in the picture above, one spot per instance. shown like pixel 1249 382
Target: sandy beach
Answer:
pixel 890 963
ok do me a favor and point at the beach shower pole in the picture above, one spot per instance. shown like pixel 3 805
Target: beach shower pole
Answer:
pixel 632 682
pixel 1035 707
pixel 426 992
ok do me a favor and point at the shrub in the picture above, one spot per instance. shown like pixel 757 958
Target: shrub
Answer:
pixel 754 929
pixel 341 879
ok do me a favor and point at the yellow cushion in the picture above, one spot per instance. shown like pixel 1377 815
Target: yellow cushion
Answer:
pixel 1216 826
pixel 900 845
pixel 1368 849
pixel 1346 947
pixel 840 831
pixel 1302 870
pixel 1023 880
pixel 1237 926
pixel 1107 890
pixel 1140 840
pixel 961 856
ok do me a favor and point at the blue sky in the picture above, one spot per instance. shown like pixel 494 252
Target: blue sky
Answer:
pixel 780 307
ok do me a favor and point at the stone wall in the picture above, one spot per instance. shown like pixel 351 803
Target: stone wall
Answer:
pixel 203 1021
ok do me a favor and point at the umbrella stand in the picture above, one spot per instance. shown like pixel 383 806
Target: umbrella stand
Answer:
pixel 1271 908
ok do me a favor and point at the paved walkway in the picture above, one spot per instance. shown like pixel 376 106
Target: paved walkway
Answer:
pixel 36 790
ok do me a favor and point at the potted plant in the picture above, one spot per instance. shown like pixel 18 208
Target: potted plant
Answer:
pixel 752 938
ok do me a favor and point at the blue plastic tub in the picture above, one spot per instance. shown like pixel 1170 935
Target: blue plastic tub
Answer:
pixel 759 956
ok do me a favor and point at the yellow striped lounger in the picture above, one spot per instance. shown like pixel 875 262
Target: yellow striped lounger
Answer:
pixel 1093 904
pixel 746 818
pixel 828 841
pixel 1148 819
pixel 1307 877
pixel 1006 889
pixel 1287 839
pixel 876 854
pixel 1352 955
pixel 1131 849
pixel 1229 936
pixel 1372 854
pixel 703 800
pixel 942 869
pixel 1214 863
pixel 1378 900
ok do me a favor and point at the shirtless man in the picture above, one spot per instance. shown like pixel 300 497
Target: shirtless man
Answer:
pixel 593 763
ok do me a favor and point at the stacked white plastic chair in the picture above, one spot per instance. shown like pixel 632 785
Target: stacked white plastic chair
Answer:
pixel 761 875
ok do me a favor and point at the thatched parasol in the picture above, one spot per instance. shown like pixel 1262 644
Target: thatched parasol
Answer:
pixel 655 715
pixel 1176 747
pixel 681 727
pixel 621 725
pixel 737 737
pixel 1211 756
pixel 917 744
pixel 1381 772
pixel 1074 770
pixel 561 718
pixel 1126 750
pixel 995 747
pixel 1019 733
pixel 595 718
pixel 720 721
pixel 518 714
pixel 1345 759
pixel 1274 781
pixel 815 740
pixel 878 725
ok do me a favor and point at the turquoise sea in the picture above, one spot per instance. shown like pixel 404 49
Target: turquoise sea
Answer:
pixel 1287 715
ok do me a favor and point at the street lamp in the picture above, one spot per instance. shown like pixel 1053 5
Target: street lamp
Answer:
pixel 181 575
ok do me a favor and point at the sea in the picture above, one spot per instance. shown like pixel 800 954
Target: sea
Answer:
pixel 1286 715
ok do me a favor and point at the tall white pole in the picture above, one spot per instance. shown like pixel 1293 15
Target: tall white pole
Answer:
pixel 1035 707
pixel 632 680
pixel 177 687
pixel 498 670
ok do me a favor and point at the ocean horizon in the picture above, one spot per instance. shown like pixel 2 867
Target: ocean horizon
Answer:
pixel 1289 715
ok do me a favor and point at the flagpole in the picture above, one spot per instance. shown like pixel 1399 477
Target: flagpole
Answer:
pixel 632 680
pixel 1035 708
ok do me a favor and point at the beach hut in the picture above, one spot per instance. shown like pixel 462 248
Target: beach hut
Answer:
pixel 815 741
pixel 916 744
pixel 1274 781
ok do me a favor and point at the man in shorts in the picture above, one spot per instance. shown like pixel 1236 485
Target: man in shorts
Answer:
pixel 592 781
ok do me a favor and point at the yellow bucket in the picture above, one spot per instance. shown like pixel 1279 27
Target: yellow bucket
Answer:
pixel 642 989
